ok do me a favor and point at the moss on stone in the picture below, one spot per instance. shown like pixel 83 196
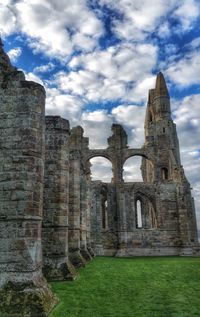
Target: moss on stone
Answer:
pixel 77 259
pixel 26 300
pixel 66 271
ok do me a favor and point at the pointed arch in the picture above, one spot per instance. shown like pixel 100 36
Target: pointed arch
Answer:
pixel 104 207
pixel 150 116
pixel 145 211
pixel 164 173
pixel 138 209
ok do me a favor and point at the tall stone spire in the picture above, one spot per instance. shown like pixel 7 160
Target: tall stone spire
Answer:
pixel 161 87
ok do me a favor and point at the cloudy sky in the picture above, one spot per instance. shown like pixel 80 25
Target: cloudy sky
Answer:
pixel 98 58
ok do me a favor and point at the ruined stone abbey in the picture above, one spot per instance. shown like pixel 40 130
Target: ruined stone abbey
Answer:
pixel 53 218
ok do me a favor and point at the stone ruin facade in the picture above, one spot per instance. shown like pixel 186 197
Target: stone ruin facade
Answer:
pixel 53 218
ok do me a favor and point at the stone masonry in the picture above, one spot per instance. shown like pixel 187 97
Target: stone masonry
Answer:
pixel 22 124
pixel 56 264
pixel 153 217
pixel 54 218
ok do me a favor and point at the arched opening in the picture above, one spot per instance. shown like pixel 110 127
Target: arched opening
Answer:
pixel 164 173
pixel 138 207
pixel 150 116
pixel 145 212
pixel 104 207
pixel 101 169
pixel 132 169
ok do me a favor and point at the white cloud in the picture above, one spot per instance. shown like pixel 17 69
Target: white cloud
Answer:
pixel 14 54
pixel 7 19
pixel 44 68
pixel 131 170
pixel 140 90
pixel 120 72
pixel 187 118
pixel 67 106
pixel 97 126
pixel 101 169
pixel 185 72
pixel 54 28
pixel 187 12
pixel 164 30
pixel 139 17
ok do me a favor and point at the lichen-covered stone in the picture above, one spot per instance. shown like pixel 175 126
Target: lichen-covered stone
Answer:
pixel 23 291
pixel 29 299
pixel 56 264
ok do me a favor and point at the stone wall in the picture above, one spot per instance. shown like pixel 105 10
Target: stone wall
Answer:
pixel 22 110
pixel 56 265
pixel 167 215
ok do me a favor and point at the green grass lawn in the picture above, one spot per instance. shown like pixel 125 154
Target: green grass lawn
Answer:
pixel 119 287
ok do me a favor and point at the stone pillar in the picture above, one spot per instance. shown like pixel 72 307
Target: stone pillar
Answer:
pixel 88 219
pixel 187 219
pixel 56 200
pixel 74 210
pixel 122 221
pixel 117 144
pixel 23 290
pixel 83 219
pixel 96 218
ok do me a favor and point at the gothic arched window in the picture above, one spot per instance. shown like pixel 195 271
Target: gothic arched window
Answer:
pixel 150 116
pixel 138 206
pixel 104 214
pixel 164 173
pixel 104 208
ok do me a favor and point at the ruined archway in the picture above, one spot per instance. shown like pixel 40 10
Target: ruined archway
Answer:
pixel 101 169
pixel 132 169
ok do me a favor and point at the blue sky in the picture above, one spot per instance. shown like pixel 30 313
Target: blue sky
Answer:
pixel 97 60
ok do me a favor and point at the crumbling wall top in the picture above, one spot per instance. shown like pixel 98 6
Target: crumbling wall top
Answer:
pixel 57 123
pixel 118 139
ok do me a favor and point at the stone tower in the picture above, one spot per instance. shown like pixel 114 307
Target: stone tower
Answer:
pixel 23 290
pixel 162 141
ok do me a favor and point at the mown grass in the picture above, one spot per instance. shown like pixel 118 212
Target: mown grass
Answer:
pixel 132 287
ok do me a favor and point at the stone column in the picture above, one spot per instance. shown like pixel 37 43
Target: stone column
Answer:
pixel 23 290
pixel 83 219
pixel 56 200
pixel 74 210
pixel 95 218
pixel 88 219
pixel 122 221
